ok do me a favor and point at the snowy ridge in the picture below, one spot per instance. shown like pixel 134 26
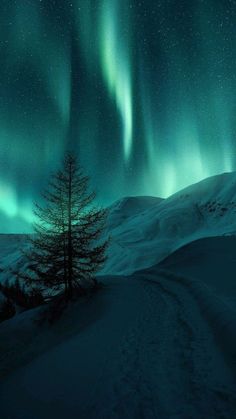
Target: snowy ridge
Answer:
pixel 128 207
pixel 145 230
pixel 205 209
pixel 10 254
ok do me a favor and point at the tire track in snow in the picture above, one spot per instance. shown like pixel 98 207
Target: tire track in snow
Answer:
pixel 172 362
pixel 202 389
pixel 164 365
pixel 131 394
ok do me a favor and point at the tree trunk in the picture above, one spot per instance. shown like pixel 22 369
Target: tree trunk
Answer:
pixel 70 257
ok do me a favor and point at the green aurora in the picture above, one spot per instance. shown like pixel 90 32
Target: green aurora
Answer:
pixel 143 91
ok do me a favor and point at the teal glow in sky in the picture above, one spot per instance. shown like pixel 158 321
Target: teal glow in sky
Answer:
pixel 143 91
pixel 115 51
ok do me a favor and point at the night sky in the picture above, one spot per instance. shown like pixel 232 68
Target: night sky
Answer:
pixel 143 91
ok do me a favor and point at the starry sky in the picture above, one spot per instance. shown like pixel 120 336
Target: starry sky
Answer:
pixel 143 91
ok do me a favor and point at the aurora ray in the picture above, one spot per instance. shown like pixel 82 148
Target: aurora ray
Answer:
pixel 144 92
pixel 115 57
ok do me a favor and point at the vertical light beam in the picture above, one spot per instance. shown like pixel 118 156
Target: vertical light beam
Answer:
pixel 116 66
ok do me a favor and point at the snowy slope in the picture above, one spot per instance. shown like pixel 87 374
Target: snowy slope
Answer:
pixel 125 209
pixel 159 343
pixel 10 254
pixel 217 255
pixel 156 344
pixel 205 209
pixel 144 230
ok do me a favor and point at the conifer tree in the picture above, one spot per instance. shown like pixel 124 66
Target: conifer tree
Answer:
pixel 66 249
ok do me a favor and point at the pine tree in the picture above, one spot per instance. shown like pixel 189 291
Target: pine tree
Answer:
pixel 66 249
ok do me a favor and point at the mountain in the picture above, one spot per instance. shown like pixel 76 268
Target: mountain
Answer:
pixel 145 230
pixel 10 253
pixel 145 236
pixel 156 343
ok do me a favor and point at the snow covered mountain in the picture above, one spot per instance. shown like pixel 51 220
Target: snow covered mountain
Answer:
pixel 146 235
pixel 10 253
pixel 145 230
pixel 158 343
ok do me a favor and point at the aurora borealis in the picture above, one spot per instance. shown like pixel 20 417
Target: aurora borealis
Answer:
pixel 144 91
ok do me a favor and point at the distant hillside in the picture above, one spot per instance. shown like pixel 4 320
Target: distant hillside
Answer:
pixel 145 230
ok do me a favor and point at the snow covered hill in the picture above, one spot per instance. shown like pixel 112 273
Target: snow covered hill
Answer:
pixel 157 343
pixel 158 227
pixel 10 245
pixel 217 255
pixel 145 230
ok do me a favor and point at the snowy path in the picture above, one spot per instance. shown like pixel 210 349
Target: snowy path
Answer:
pixel 196 381
pixel 153 355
